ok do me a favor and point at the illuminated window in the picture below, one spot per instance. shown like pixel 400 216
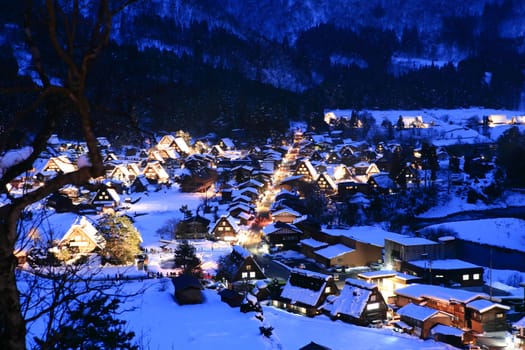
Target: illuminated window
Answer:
pixel 466 277
pixel 327 289
pixel 244 275
pixel 475 276
pixel 252 274
pixel 499 315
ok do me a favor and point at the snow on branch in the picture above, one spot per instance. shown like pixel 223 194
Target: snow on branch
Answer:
pixel 14 157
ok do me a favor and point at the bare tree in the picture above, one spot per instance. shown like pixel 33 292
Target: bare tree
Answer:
pixel 53 103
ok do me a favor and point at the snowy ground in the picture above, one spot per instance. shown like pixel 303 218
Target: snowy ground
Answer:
pixel 160 323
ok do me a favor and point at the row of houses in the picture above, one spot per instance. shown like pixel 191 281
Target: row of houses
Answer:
pixel 450 315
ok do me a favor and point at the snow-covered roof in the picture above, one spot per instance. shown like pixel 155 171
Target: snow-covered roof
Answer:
pixel 312 243
pixel 483 305
pixel 368 234
pixel 81 223
pixel 420 291
pixel 447 330
pixel 228 142
pixel 286 211
pixel 412 241
pixel 243 253
pixel 230 220
pixel 444 264
pixel 183 146
pixel 276 226
pixel 416 312
pixel 351 301
pixel 334 251
pixel 308 293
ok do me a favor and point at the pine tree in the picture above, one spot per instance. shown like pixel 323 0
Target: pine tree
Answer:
pixel 187 259
pixel 91 326
pixel 122 238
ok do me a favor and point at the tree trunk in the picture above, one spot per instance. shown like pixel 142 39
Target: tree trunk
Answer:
pixel 12 324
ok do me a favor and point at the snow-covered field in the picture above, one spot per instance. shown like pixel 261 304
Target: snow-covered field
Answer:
pixel 160 323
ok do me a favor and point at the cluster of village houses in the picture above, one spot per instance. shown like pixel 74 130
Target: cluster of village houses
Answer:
pixel 424 289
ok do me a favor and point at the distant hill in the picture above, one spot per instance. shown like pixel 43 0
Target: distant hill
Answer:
pixel 223 64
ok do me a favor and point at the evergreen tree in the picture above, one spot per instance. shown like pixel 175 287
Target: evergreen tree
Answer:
pixel 187 259
pixel 511 152
pixel 122 238
pixel 91 326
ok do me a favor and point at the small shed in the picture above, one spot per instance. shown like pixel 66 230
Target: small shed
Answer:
pixel 188 289
pixel 232 298
pixel 448 334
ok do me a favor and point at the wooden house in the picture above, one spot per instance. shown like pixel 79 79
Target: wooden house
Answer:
pixel 342 172
pixel 122 174
pixel 154 155
pixel 326 183
pixel 408 177
pixel 252 183
pixel 382 184
pixel 226 144
pixel 155 172
pixel 225 228
pixel 193 227
pixel 241 173
pixel 250 192
pixel 485 316
pixel 346 189
pixel 291 182
pixel 246 267
pixel 421 319
pixel 139 184
pixel 470 310
pixel 447 272
pixel 334 255
pixel 60 202
pixel 177 143
pixel 404 248
pixel 106 197
pixel 285 215
pixel 333 157
pixel 82 237
pixel 305 292
pixel 306 169
pixel 61 164
pixel 237 208
pixel 354 246
pixel 282 235
pixel 188 289
pixel 310 245
pixel 359 302
pixel 55 165
pixel 364 170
